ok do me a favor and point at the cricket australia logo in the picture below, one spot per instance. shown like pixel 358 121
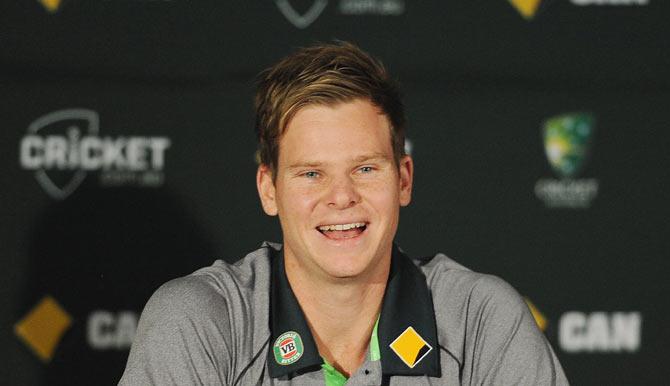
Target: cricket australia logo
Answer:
pixel 47 153
pixel 567 141
pixel 304 19
pixel 62 147
pixel 288 348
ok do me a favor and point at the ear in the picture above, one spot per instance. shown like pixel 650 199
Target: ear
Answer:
pixel 406 176
pixel 266 189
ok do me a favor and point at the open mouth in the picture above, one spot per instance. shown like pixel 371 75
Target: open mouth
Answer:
pixel 342 231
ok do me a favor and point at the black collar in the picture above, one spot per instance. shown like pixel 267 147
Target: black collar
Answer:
pixel 287 316
pixel 407 303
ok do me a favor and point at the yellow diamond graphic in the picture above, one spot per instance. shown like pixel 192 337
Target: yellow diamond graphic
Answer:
pixel 526 8
pixel 410 347
pixel 50 5
pixel 540 319
pixel 43 327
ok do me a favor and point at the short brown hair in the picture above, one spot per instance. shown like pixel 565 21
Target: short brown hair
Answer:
pixel 325 74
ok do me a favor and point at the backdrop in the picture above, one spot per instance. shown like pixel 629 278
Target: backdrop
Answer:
pixel 539 131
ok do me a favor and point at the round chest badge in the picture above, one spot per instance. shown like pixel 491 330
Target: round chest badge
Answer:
pixel 288 348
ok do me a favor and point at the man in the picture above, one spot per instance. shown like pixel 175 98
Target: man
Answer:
pixel 337 302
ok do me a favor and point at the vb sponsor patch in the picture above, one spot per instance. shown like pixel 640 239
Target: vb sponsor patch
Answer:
pixel 288 348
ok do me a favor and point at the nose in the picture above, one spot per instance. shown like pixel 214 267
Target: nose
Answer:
pixel 343 193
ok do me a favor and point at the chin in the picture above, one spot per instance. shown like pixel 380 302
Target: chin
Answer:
pixel 346 266
pixel 344 273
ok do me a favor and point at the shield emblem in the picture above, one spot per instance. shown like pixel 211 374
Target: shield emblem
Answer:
pixel 567 139
pixel 311 13
pixel 72 125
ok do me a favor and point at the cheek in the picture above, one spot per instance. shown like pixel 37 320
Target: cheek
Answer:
pixel 384 203
pixel 297 203
pixel 382 193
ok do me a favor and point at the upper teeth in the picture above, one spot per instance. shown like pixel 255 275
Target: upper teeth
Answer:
pixel 341 227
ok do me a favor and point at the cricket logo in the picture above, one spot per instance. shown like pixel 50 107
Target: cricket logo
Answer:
pixel 288 348
pixel 566 142
pixel 47 149
pixel 305 19
pixel 63 146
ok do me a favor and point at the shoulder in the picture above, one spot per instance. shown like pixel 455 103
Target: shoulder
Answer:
pixel 204 325
pixel 486 325
pixel 466 301
pixel 446 276
pixel 216 288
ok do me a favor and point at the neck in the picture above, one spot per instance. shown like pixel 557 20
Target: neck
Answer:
pixel 341 313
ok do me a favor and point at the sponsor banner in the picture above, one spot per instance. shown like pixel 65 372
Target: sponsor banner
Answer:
pixel 595 332
pixel 107 330
pixel 600 332
pixel 64 146
pixel 430 39
pixel 43 327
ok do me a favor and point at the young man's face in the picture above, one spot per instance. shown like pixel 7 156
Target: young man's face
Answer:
pixel 337 190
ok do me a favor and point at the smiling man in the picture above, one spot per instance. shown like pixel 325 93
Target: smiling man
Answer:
pixel 337 302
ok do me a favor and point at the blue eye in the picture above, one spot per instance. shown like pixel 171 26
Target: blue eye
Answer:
pixel 311 174
pixel 366 169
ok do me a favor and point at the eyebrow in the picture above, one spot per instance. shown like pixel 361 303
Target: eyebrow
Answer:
pixel 371 157
pixel 305 165
pixel 360 159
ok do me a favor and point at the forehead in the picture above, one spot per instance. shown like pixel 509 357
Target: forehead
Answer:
pixel 335 131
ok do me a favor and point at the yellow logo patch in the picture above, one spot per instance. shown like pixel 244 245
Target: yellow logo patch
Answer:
pixel 50 5
pixel 410 347
pixel 527 8
pixel 540 319
pixel 43 327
